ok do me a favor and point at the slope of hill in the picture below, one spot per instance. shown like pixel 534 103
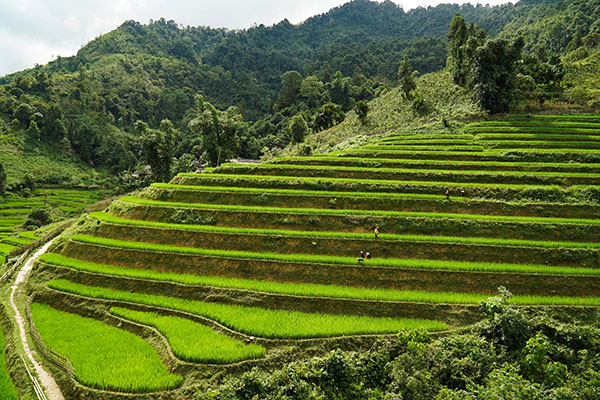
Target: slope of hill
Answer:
pixel 274 255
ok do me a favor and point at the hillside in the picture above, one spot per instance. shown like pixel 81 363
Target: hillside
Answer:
pixel 83 109
pixel 269 260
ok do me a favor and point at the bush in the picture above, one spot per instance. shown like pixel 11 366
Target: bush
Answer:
pixel 38 217
pixel 506 324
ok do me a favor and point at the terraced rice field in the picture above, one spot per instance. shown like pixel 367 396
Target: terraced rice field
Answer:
pixel 14 212
pixel 253 259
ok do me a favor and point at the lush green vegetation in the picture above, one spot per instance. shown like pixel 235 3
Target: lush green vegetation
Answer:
pixel 104 217
pixel 325 259
pixel 233 189
pixel 192 341
pixel 438 164
pixel 80 112
pixel 311 290
pixel 102 356
pixel 6 248
pixel 259 321
pixel 512 354
pixel 137 200
pixel 7 387
pixel 145 103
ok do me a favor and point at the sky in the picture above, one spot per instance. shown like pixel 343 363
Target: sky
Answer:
pixel 36 31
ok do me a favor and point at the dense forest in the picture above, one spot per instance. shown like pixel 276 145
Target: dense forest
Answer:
pixel 267 87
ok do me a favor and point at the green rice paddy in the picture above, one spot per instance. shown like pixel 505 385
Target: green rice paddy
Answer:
pixel 102 356
pixel 259 322
pixel 192 341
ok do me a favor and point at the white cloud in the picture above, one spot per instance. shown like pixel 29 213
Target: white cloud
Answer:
pixel 32 31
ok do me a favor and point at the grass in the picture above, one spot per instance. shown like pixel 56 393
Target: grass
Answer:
pixel 480 164
pixel 370 213
pixel 337 260
pixel 10 204
pixel 6 248
pixel 68 209
pixel 375 171
pixel 102 356
pixel 382 182
pixel 293 324
pixel 287 288
pixel 534 136
pixel 29 235
pixel 2 259
pixel 424 148
pixel 7 387
pixel 256 321
pixel 539 144
pixel 111 219
pixel 8 211
pixel 192 341
pixel 298 192
pixel 17 241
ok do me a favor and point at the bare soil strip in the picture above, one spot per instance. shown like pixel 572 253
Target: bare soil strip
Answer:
pixel 51 389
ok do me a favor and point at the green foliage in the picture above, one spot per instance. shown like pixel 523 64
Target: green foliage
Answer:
pixel 330 115
pixel 291 83
pixel 2 180
pixel 406 80
pixel 192 341
pixel 362 109
pixel 218 130
pixel 298 128
pixel 506 324
pixel 457 35
pixel 38 217
pixel 102 356
pixel 158 146
pixel 494 74
pixel 7 387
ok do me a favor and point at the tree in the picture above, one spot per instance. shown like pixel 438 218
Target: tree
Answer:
pixel 298 128
pixel 494 74
pixel 457 62
pixel 362 109
pixel 311 90
pixel 2 180
pixel 218 130
pixel 329 115
pixel 405 78
pixel 158 147
pixel 291 83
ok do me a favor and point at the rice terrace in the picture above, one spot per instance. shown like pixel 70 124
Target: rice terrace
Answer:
pixel 372 204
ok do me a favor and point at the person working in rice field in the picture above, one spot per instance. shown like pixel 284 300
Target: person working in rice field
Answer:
pixel 376 232
pixel 361 258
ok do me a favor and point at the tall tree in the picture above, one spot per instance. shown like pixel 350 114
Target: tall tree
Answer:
pixel 494 69
pixel 2 180
pixel 362 109
pixel 159 147
pixel 457 62
pixel 291 83
pixel 218 130
pixel 298 128
pixel 406 79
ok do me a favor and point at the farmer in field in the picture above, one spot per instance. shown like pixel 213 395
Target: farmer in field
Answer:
pixel 447 194
pixel 361 258
pixel 376 232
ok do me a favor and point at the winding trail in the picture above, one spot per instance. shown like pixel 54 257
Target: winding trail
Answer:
pixel 51 389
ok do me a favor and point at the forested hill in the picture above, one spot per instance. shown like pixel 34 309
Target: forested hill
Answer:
pixel 86 106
